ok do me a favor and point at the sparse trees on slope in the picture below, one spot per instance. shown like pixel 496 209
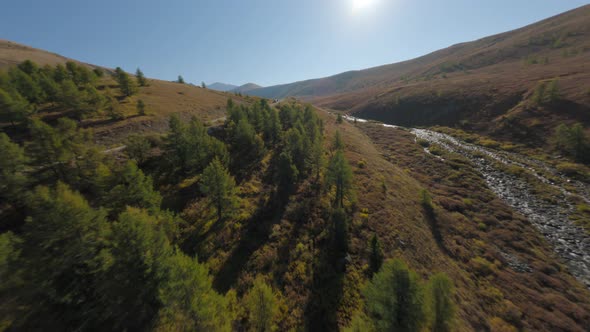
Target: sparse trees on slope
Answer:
pixel 339 177
pixel 141 80
pixel 126 84
pixel 219 187
pixel 262 307
pixel 140 107
pixel 394 299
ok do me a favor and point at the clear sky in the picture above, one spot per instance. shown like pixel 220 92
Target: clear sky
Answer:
pixel 263 41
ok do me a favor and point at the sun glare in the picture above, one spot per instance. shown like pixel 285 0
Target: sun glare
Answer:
pixel 361 4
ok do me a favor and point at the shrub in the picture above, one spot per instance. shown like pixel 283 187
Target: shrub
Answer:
pixel 572 169
pixel 423 143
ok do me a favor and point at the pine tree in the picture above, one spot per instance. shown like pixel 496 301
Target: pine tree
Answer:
pixel 64 246
pixel 339 177
pixel 140 107
pixel 141 80
pixel 395 299
pixel 12 166
pixel 13 107
pixel 126 84
pixel 442 308
pixel 262 307
pixel 219 187
pixel 376 257
pixel 133 189
pixel 180 79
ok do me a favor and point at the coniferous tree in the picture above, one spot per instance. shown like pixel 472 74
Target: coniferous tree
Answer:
pixel 137 148
pixel 395 299
pixel 12 166
pixel 219 187
pixel 133 189
pixel 442 308
pixel 126 84
pixel 180 79
pixel 13 107
pixel 339 177
pixel 262 307
pixel 64 246
pixel 376 257
pixel 140 107
pixel 141 80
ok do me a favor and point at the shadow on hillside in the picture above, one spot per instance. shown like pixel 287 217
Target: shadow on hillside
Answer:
pixel 327 288
pixel 431 218
pixel 253 236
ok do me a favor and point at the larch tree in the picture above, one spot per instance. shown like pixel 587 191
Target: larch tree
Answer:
pixel 219 187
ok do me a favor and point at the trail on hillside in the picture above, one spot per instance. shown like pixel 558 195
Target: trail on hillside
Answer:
pixel 570 241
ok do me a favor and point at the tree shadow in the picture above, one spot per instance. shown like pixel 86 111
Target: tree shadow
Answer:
pixel 254 236
pixel 433 222
pixel 329 268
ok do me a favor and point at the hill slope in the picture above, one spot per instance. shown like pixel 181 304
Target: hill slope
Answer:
pixel 221 86
pixel 478 81
pixel 246 88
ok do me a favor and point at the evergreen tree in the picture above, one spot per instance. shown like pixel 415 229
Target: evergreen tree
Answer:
pixel 338 144
pixel 130 291
pixel 442 308
pixel 126 84
pixel 219 187
pixel 12 166
pixel 69 96
pixel 141 80
pixel 394 299
pixel 246 146
pixel 26 86
pixel 140 107
pixel 376 257
pixel 262 307
pixel 287 173
pixel 339 177
pixel 189 302
pixel 137 148
pixel 203 85
pixel 180 79
pixel 64 247
pixel 133 189
pixel 13 107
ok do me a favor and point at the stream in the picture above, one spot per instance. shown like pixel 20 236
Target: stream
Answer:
pixel 569 241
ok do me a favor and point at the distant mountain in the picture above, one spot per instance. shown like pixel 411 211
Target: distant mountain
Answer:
pixel 478 82
pixel 246 88
pixel 222 86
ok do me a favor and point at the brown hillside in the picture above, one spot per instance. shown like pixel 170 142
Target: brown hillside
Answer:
pixel 475 82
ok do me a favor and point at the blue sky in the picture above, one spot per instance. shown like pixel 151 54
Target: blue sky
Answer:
pixel 263 41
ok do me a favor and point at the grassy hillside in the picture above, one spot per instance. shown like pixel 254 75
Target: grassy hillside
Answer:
pixel 485 85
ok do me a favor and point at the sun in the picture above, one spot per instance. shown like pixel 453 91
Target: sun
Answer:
pixel 361 4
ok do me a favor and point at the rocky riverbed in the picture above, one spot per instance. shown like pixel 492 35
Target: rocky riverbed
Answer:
pixel 570 241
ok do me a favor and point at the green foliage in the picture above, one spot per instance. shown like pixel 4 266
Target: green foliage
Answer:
pixel 26 85
pixel 190 149
pixel 573 140
pixel 126 84
pixel 376 255
pixel 137 148
pixel 139 254
pixel 395 299
pixel 360 323
pixel 219 187
pixel 339 119
pixel 546 92
pixel 262 306
pixel 64 247
pixel 442 308
pixel 189 302
pixel 141 80
pixel 339 178
pixel 140 107
pixel 180 79
pixel 426 201
pixel 55 148
pixel 12 166
pixel 246 146
pixel 13 107
pixel 133 188
pixel 338 143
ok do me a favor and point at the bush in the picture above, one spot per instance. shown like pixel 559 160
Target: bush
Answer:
pixel 572 169
pixel 423 143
